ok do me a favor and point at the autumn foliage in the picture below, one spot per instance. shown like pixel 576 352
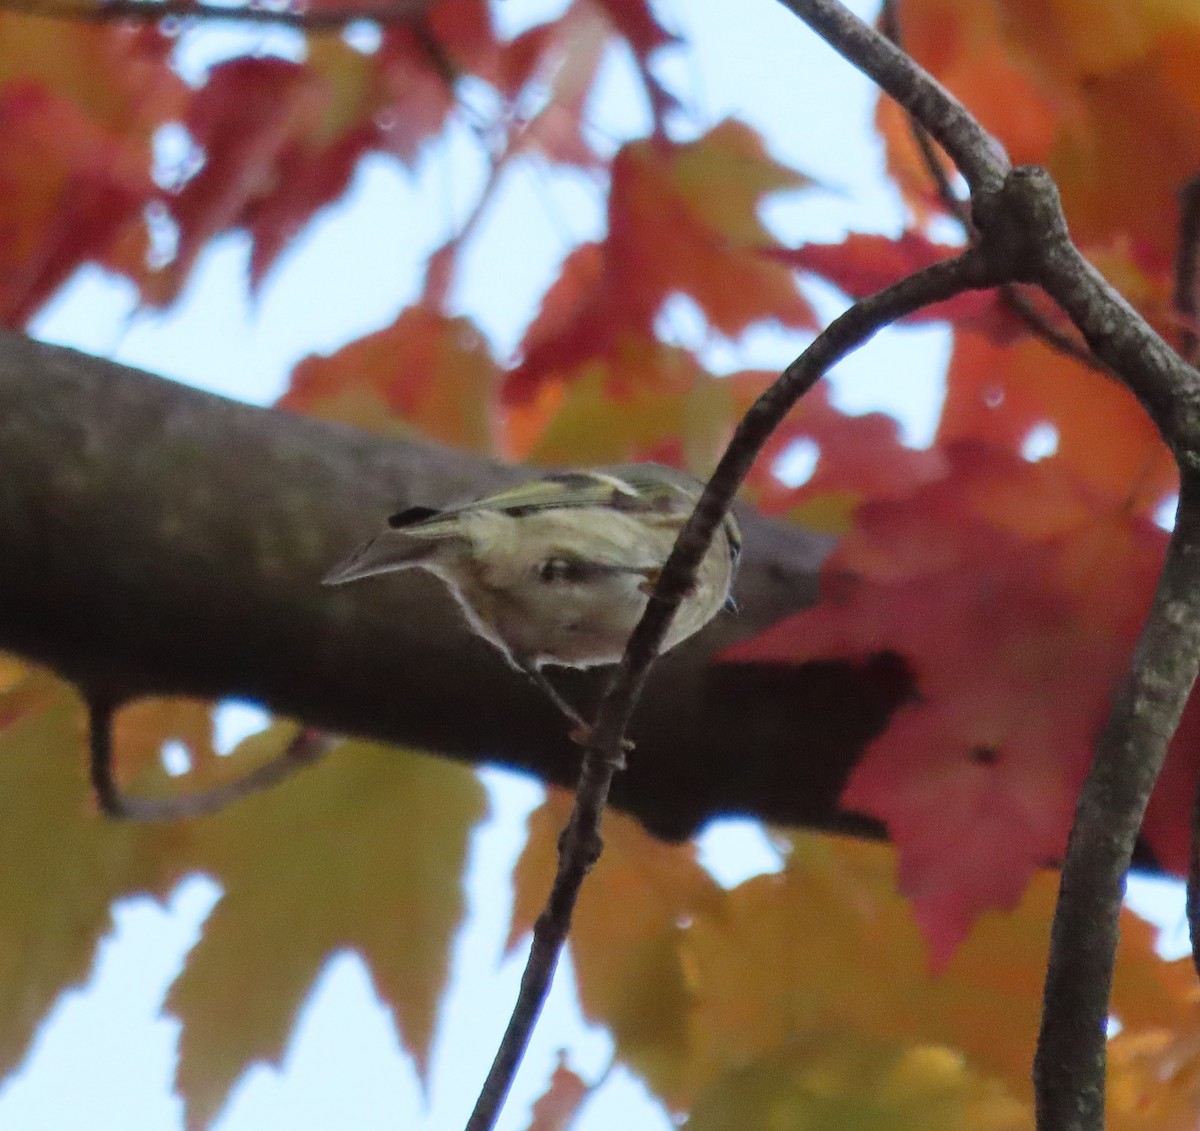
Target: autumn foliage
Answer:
pixel 863 985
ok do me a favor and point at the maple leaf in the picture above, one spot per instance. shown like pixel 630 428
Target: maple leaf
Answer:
pixel 426 372
pixel 970 53
pixel 827 946
pixel 705 194
pixel 313 179
pixel 857 458
pixel 645 35
pixel 1154 1075
pixel 71 187
pixel 830 1078
pixel 141 729
pixel 118 77
pixel 247 117
pixel 1085 89
pixel 64 867
pixel 569 52
pixel 1013 594
pixel 999 394
pixel 24 690
pixel 906 163
pixel 419 68
pixel 301 882
pixel 650 402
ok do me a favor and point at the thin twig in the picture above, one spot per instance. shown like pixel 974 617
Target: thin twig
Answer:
pixel 889 23
pixel 439 58
pixel 975 153
pixel 1187 268
pixel 1041 327
pixel 579 845
pixel 1016 302
pixel 1193 882
pixel 150 11
pixel 305 748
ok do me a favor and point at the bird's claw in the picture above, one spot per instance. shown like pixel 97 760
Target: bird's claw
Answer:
pixel 651 582
pixel 583 733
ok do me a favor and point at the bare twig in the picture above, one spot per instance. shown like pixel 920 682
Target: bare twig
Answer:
pixel 439 58
pixel 889 22
pixel 1193 882
pixel 149 11
pixel 976 154
pixel 1040 326
pixel 580 843
pixel 1187 268
pixel 305 748
pixel 1016 302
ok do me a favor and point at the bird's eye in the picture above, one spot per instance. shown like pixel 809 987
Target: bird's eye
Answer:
pixel 557 569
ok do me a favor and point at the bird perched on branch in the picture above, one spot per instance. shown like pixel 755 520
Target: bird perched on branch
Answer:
pixel 558 570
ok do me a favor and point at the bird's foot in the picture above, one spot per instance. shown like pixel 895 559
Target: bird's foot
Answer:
pixel 582 734
pixel 651 577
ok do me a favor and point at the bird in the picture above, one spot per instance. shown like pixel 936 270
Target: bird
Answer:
pixel 558 570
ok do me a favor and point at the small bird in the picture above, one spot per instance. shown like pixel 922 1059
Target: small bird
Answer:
pixel 558 570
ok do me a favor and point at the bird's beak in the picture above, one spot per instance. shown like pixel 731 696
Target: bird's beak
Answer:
pixel 383 554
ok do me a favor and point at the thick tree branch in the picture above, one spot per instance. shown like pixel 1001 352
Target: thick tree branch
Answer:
pixel 1070 1066
pixel 155 540
pixel 579 845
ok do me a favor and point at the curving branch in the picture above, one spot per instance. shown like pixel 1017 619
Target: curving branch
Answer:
pixel 580 844
pixel 1070 1067
pixel 305 748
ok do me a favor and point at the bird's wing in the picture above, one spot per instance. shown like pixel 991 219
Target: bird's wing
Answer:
pixel 628 489
pixel 649 489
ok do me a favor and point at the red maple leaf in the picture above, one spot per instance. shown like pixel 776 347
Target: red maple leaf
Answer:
pixel 1013 593
pixel 682 218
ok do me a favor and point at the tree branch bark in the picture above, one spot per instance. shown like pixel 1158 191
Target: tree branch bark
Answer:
pixel 155 540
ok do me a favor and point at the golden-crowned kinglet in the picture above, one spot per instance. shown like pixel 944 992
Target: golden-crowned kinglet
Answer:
pixel 559 569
